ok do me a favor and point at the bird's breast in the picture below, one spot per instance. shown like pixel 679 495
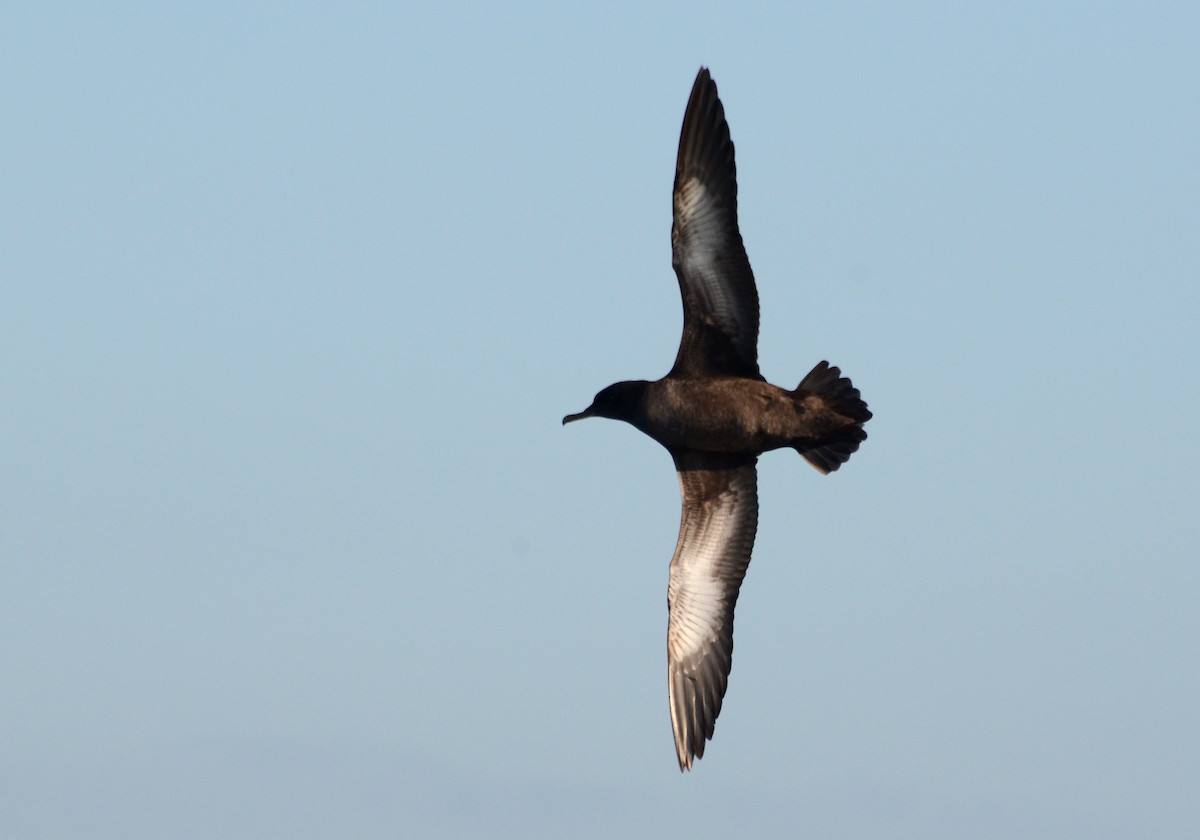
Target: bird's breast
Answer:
pixel 718 415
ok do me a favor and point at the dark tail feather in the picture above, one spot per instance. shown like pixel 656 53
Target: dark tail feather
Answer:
pixel 839 412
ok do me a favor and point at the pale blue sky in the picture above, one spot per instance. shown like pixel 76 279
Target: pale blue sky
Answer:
pixel 295 297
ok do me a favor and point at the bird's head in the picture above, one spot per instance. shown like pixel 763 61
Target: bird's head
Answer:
pixel 616 402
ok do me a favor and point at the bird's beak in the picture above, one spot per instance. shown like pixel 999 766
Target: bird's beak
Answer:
pixel 571 418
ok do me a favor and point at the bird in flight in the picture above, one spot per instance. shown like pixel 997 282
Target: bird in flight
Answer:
pixel 715 413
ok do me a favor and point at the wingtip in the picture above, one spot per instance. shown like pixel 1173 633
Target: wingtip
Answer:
pixel 689 753
pixel 704 87
pixel 687 757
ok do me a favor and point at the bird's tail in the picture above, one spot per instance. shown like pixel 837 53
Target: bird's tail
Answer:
pixel 838 413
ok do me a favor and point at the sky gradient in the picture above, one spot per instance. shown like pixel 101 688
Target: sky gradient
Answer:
pixel 294 298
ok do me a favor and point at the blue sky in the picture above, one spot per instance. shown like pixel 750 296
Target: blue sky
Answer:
pixel 295 297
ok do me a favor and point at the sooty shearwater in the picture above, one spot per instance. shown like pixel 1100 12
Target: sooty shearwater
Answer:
pixel 715 413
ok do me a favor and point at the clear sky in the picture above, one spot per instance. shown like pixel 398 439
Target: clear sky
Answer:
pixel 293 298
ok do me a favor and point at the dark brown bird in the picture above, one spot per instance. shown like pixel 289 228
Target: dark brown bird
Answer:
pixel 715 414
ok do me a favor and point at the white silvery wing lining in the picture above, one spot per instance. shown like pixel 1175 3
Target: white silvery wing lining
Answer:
pixel 716 535
pixel 720 302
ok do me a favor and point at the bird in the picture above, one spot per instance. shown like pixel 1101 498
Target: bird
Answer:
pixel 715 414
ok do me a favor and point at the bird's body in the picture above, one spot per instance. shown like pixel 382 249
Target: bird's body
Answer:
pixel 729 415
pixel 716 414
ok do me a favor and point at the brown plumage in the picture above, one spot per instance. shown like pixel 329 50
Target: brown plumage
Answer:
pixel 716 414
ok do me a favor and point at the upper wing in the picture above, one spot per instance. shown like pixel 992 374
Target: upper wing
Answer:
pixel 716 535
pixel 720 303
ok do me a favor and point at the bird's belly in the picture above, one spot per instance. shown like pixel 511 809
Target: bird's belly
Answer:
pixel 730 416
